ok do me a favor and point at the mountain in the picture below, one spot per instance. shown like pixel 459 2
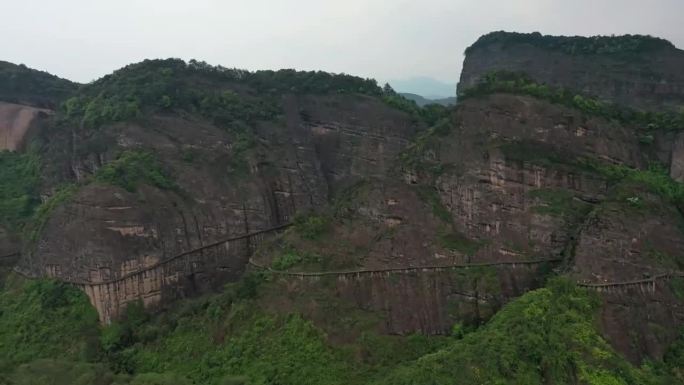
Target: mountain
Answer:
pixel 638 71
pixel 427 87
pixel 23 85
pixel 183 223
pixel 421 101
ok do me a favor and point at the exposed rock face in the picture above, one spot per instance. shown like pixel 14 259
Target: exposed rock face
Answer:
pixel 652 80
pixel 624 241
pixel 515 183
pixel 16 123
pixel 8 243
pixel 424 301
pixel 642 322
pixel 677 158
pixel 506 179
pixel 105 232
pixel 510 151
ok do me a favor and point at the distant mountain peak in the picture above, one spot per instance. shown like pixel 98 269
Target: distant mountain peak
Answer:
pixel 425 86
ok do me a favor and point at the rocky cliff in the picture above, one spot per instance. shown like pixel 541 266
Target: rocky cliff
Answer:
pixel 638 71
pixel 18 123
pixel 450 212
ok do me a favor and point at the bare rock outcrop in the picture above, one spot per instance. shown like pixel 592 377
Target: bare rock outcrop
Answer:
pixel 17 123
pixel 637 71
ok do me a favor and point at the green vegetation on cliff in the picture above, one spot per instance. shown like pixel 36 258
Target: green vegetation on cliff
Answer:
pixel 45 319
pixel 576 45
pixel 655 179
pixel 19 178
pixel 172 84
pixel 624 181
pixel 520 83
pixel 20 84
pixel 546 336
pixel 133 168
pixel 431 114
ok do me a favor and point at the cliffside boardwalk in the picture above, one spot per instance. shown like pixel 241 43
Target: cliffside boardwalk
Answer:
pixel 402 270
pixel 181 274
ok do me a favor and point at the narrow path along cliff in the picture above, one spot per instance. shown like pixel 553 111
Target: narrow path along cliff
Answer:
pixel 110 296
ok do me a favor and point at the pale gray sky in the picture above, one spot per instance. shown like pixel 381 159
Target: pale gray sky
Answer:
pixel 385 39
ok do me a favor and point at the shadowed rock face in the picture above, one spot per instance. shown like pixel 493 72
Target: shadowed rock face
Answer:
pixel 322 143
pixel 16 123
pixel 516 187
pixel 512 152
pixel 8 243
pixel 677 164
pixel 651 80
pixel 503 181
pixel 623 242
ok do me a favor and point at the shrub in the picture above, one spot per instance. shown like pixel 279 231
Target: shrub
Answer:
pixel 456 241
pixel 43 212
pixel 292 258
pixel 545 336
pixel 133 168
pixel 521 83
pixel 312 227
pixel 45 319
pixel 430 195
pixel 19 178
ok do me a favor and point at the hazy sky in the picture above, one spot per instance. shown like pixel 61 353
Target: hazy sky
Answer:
pixel 85 39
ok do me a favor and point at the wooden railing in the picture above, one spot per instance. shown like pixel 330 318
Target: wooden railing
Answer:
pixel 168 260
pixel 358 272
pixel 401 270
pixel 648 283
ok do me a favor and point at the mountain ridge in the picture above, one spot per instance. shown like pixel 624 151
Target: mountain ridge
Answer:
pixel 165 156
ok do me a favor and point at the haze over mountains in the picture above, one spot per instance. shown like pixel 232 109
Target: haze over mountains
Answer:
pixel 424 86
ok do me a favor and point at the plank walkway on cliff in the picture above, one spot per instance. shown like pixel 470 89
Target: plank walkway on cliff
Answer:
pixel 401 270
pixel 644 284
pixel 192 251
pixel 605 286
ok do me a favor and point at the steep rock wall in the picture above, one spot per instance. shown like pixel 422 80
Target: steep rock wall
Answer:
pixel 104 232
pixel 510 156
pixel 16 123
pixel 624 241
pixel 652 80
pixel 512 177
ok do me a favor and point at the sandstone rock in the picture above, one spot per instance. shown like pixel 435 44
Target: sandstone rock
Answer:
pixel 651 80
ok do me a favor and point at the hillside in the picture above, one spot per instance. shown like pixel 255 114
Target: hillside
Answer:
pixel 182 223
pixel 422 102
pixel 22 85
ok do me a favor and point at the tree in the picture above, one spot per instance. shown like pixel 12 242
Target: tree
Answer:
pixel 388 90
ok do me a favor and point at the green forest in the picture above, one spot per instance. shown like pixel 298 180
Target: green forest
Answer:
pixel 49 330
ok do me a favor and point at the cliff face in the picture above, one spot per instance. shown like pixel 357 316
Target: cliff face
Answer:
pixel 103 232
pixel 450 216
pixel 641 72
pixel 18 123
pixel 526 192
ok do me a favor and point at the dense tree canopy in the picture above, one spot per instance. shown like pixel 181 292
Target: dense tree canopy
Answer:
pixel 575 44
pixel 20 84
